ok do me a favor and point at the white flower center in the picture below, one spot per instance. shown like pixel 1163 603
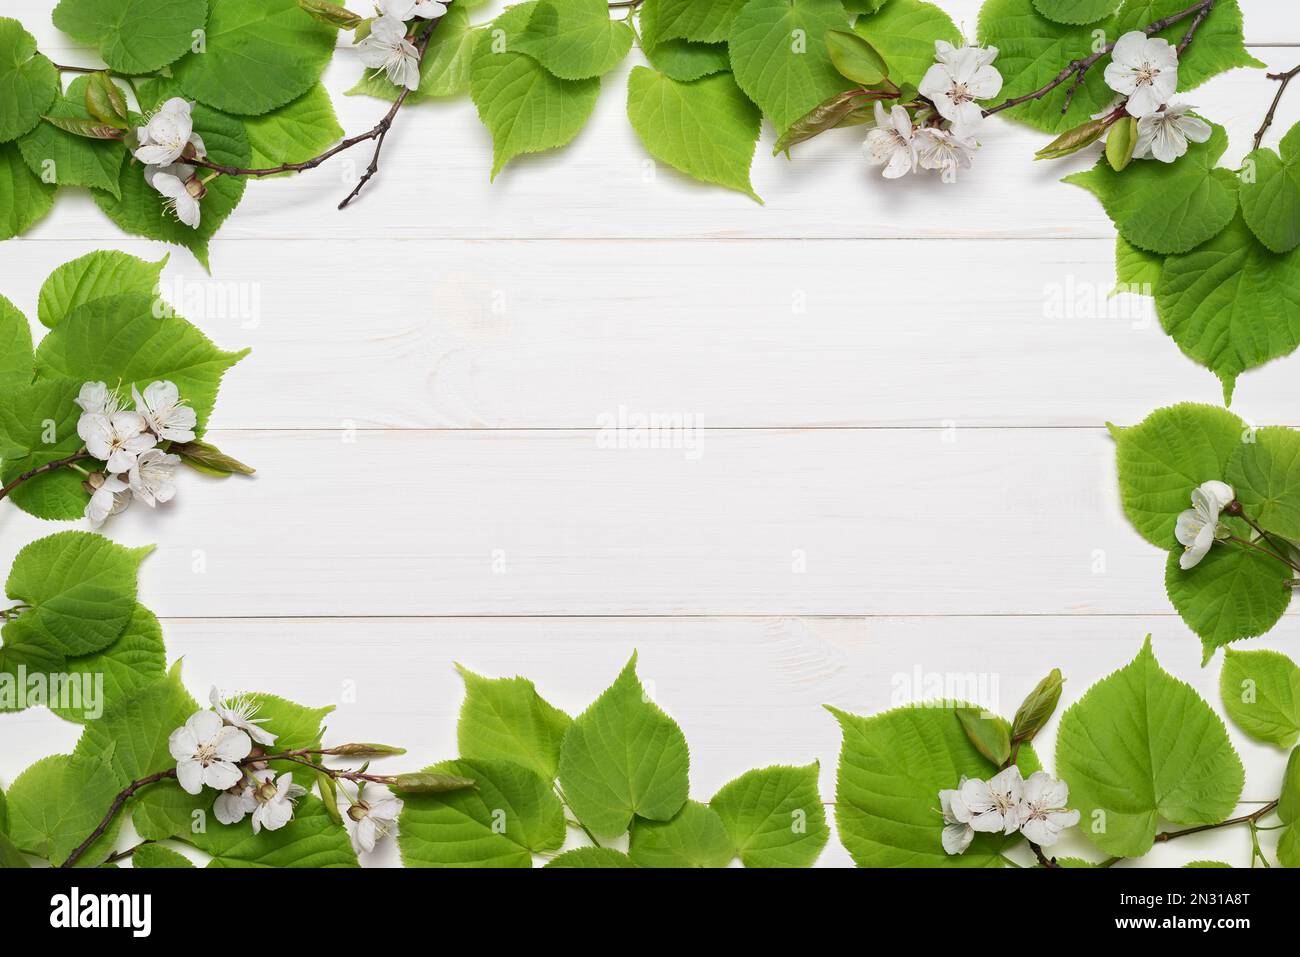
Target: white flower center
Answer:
pixel 206 753
pixel 959 94
pixel 1146 74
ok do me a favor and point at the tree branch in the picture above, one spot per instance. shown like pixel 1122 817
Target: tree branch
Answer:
pixel 42 469
pixel 1077 68
pixel 1284 79
pixel 1251 818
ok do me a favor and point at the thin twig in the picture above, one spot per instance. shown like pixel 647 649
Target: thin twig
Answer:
pixel 1250 818
pixel 1284 79
pixel 1077 68
pixel 42 469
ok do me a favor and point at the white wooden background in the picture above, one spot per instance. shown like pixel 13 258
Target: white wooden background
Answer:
pixel 890 388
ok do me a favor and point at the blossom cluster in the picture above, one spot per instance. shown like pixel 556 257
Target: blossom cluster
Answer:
pixel 127 442
pixel 1005 804
pixel 167 138
pixel 387 48
pixel 1144 72
pixel 941 135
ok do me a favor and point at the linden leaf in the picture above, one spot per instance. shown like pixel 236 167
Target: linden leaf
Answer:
pixel 1136 270
pixel 506 719
pixel 134 36
pixel 105 272
pixel 311 839
pixel 38 425
pixel 575 39
pixel 774 816
pixel 1266 476
pixel 694 837
pixel 294 132
pixel 903 32
pixel 133 732
pixel 675 58
pixel 1270 199
pixel 133 661
pixel 1261 693
pixel 1076 11
pixel 69 159
pixel 700 21
pixel 17 364
pixel 28 81
pixel 592 857
pixel 24 196
pixel 1234 592
pixel 55 805
pixel 1139 747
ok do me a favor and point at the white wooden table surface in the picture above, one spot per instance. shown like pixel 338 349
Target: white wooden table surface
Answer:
pixel 902 468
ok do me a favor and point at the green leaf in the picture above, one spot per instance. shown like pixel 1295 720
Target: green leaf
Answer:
pixel 122 339
pixel 702 21
pixel 903 32
pixel 779 55
pixel 1235 592
pixel 706 128
pixel 28 81
pixel 69 159
pixel 260 54
pixel 10 856
pixel 1076 11
pixel 105 272
pixel 525 107
pixel 134 731
pixel 38 425
pixel 1217 47
pixel 1136 270
pixel 623 756
pixel 1288 805
pixel 17 364
pixel 81 589
pixel 591 857
pixel 506 719
pixel 774 816
pixel 24 196
pixel 1141 746
pixel 55 805
pixel 295 726
pixel 988 734
pixel 1203 864
pixel 1265 474
pixel 155 855
pixel 141 210
pixel 295 132
pixel 25 653
pixel 1261 693
pixel 134 36
pixel 892 768
pixel 1171 452
pixel 1288 847
pixel 444 68
pixel 1166 208
pixel 131 663
pixel 163 810
pixel 575 39
pixel 311 839
pixel 855 58
pixel 105 102
pixel 694 837
pixel 1270 199
pixel 1231 304
pixel 678 59
pixel 507 817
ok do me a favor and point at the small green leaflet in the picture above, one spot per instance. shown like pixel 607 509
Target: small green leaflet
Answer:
pixel 526 108
pixel 1076 11
pixel 16 362
pixel 778 53
pixel 1140 747
pixel 66 158
pixel 259 55
pixel 1265 473
pixel 311 839
pixel 892 768
pixel 105 272
pixel 444 68
pixel 1167 208
pixel 1233 593
pixel 56 803
pixel 134 36
pixel 694 837
pixel 574 39
pixel 592 857
pixel 28 81
pixel 24 197
pixel 133 661
pixel 506 719
pixel 706 128
pixel 622 757
pixel 678 59
pixel 1270 194
pixel 903 32
pixel 774 816
pixel 294 132
pixel 81 589
pixel 1231 304
pixel 508 816
pixel 700 21
pixel 1261 693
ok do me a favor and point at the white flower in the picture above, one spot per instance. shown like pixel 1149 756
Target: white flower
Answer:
pixel 989 806
pixel 174 182
pixel 112 497
pixel 241 712
pixel 168 416
pixel 387 49
pixel 234 803
pixel 1043 814
pixel 1198 527
pixel 99 399
pixel 1145 69
pixel 274 801
pixel 153 476
pixel 373 820
pixel 945 150
pixel 164 138
pixel 115 439
pixel 957 835
pixel 962 76
pixel 206 750
pixel 890 143
pixel 1164 135
pixel 406 9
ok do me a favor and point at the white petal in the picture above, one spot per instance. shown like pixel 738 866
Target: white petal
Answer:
pixel 233 744
pixel 182 743
pixel 205 725
pixel 1144 101
pixel 221 775
pixel 189 774
pixel 957 837
pixel 1130 49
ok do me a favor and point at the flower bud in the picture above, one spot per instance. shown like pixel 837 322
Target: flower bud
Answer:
pixel 1037 708
pixel 358 811
pixel 196 187
pixel 358 750
pixel 428 782
pixel 265 791
pixel 1073 140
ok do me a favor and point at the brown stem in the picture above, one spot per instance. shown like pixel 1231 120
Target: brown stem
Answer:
pixel 1250 818
pixel 123 855
pixel 377 133
pixel 42 469
pixel 1077 68
pixel 1264 551
pixel 1284 79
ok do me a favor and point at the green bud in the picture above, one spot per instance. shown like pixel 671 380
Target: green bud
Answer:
pixel 1037 708
pixel 209 459
pixel 1071 141
pixel 105 102
pixel 855 58
pixel 91 129
pixel 988 734
pixel 365 750
pixel 1120 143
pixel 429 782
pixel 330 13
pixel 329 795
